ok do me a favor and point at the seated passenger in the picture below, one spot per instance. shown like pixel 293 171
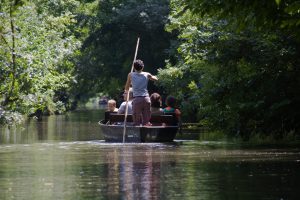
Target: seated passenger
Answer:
pixel 170 109
pixel 111 106
pixel 156 109
pixel 122 107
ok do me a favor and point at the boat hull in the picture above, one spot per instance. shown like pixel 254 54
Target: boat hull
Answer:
pixel 114 133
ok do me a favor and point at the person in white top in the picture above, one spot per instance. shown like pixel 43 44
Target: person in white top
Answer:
pixel 122 107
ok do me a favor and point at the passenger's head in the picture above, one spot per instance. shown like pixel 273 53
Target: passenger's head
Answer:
pixel 111 105
pixel 155 100
pixel 138 65
pixel 171 101
pixel 130 94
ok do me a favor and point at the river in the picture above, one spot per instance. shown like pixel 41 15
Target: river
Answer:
pixel 65 157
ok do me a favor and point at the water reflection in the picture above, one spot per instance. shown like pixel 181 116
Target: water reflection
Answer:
pixel 137 174
pixel 97 170
pixel 63 157
pixel 78 125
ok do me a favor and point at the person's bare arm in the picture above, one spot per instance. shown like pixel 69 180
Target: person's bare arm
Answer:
pixel 128 82
pixel 152 78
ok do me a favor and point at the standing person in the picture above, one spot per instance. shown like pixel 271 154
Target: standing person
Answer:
pixel 122 107
pixel 141 103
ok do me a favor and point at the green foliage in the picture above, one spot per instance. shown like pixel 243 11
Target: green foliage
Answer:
pixel 108 52
pixel 233 65
pixel 44 68
pixel 36 51
pixel 259 14
pixel 241 81
pixel 10 118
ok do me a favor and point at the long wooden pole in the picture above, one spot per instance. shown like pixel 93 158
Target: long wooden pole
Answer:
pixel 127 97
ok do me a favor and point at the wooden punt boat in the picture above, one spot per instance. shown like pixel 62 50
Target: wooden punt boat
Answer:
pixel 163 129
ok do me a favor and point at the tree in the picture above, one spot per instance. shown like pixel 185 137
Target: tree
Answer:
pixel 241 78
pixel 261 14
pixel 108 51
pixel 35 47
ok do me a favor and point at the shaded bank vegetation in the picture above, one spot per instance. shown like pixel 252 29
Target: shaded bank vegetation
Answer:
pixel 237 64
pixel 57 53
pixel 233 65
pixel 38 43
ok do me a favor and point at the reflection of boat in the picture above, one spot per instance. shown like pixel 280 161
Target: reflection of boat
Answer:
pixel 163 129
pixel 126 161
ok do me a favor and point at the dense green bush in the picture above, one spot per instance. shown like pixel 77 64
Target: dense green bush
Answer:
pixel 37 45
pixel 233 65
pixel 108 51
pixel 239 79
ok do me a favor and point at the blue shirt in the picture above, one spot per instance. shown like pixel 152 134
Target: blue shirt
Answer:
pixel 139 82
pixel 122 108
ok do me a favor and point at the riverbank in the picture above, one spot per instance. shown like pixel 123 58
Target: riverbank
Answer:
pixel 67 127
pixel 197 132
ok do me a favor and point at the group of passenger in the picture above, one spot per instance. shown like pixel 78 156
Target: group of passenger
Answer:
pixel 139 103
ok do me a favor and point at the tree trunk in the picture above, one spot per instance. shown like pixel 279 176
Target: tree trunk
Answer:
pixel 13 59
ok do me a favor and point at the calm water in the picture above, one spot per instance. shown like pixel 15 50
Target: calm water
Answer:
pixel 64 157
